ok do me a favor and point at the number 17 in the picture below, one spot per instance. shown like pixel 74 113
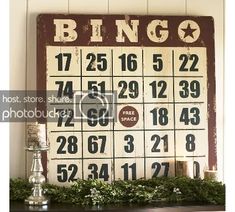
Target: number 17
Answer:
pixel 60 57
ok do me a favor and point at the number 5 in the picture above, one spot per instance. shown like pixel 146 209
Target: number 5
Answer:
pixel 157 62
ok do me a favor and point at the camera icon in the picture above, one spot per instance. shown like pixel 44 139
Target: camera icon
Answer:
pixel 94 107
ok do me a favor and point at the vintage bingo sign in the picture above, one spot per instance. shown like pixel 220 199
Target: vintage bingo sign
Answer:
pixel 134 94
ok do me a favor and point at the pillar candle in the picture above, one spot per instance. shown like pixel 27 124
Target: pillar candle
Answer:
pixel 210 174
pixel 36 135
pixel 184 168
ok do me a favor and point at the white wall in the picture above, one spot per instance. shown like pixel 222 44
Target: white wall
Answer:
pixel 23 49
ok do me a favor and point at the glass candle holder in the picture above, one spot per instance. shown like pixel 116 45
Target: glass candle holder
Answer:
pixel 36 143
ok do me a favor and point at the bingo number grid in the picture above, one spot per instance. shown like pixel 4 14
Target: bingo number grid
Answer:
pixel 156 113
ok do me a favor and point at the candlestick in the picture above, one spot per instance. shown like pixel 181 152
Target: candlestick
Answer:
pixel 36 142
pixel 37 179
pixel 184 168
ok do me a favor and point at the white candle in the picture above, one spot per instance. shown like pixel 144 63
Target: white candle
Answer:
pixel 36 135
pixel 210 174
pixel 184 168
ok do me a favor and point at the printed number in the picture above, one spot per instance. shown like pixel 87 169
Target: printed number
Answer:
pixel 157 62
pixel 128 62
pixel 196 167
pixel 93 144
pixel 133 88
pixel 65 113
pixel 96 174
pixel 157 168
pixel 60 59
pixel 72 147
pixel 157 139
pixel 66 175
pixel 127 169
pixel 160 116
pixel 185 58
pixel 98 62
pixel 95 117
pixel 65 90
pixel 193 89
pixel 130 146
pixel 161 85
pixel 186 113
pixel 95 87
pixel 190 143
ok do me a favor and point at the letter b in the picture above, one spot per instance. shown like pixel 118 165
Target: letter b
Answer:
pixel 64 30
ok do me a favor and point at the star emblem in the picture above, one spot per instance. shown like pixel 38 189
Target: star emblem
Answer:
pixel 188 31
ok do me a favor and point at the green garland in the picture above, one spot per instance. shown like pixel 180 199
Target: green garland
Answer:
pixel 159 190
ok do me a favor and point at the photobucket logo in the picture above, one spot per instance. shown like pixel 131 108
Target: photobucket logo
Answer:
pixel 28 114
pixel 94 106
